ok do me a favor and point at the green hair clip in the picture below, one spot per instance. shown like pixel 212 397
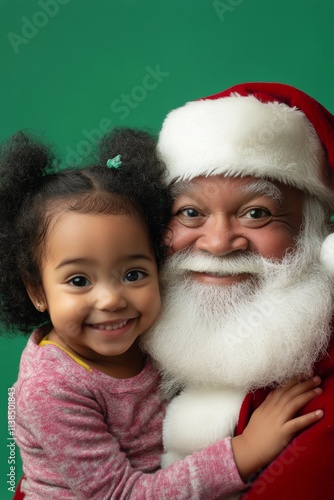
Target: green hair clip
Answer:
pixel 114 162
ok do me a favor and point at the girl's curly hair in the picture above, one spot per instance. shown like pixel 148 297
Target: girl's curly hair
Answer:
pixel 33 188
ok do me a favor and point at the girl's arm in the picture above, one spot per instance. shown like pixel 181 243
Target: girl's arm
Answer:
pixel 77 455
pixel 70 428
pixel 273 425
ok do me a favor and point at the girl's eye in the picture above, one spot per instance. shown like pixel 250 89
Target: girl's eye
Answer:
pixel 79 281
pixel 257 213
pixel 134 275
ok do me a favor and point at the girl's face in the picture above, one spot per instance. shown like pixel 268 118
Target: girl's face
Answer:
pixel 100 284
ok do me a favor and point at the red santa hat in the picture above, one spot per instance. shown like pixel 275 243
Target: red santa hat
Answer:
pixel 266 130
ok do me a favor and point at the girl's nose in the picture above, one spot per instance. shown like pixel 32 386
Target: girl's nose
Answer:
pixel 111 298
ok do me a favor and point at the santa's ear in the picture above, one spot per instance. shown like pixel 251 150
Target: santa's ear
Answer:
pixel 327 254
pixel 37 297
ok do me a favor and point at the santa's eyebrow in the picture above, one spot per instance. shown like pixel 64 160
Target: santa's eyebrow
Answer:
pixel 259 186
pixel 264 187
pixel 182 187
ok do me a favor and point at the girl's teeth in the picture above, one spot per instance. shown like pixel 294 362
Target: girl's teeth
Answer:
pixel 111 327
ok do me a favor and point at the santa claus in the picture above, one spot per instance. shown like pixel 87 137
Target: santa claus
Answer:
pixel 248 301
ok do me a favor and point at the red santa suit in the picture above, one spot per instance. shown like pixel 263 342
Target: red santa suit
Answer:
pixel 305 469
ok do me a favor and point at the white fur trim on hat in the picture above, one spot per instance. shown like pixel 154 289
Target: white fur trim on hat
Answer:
pixel 239 135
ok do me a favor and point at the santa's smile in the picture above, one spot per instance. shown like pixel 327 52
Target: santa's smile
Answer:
pixel 218 278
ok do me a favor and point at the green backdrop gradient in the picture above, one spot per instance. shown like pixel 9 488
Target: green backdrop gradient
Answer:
pixel 71 69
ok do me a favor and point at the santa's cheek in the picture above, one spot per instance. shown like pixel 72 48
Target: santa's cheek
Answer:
pixel 178 238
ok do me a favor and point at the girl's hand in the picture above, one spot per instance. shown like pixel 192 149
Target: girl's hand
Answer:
pixel 272 425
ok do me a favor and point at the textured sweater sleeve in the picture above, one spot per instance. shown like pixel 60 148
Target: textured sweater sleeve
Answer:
pixel 70 428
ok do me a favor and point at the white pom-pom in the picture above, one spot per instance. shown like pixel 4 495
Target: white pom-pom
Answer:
pixel 327 254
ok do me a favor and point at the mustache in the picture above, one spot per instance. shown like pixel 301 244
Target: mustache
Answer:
pixel 187 261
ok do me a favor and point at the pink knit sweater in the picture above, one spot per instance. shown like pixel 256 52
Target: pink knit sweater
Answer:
pixel 85 435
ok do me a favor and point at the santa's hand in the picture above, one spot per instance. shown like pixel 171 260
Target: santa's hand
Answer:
pixel 273 425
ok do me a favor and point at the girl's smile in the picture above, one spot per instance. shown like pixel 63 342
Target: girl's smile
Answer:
pixel 114 326
pixel 113 329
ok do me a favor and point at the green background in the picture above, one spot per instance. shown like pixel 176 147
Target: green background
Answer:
pixel 73 68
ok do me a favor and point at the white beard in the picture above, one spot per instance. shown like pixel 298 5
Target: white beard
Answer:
pixel 233 339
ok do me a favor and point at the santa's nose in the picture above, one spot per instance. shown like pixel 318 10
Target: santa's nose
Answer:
pixel 219 236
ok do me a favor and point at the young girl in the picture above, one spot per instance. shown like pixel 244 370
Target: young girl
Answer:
pixel 79 256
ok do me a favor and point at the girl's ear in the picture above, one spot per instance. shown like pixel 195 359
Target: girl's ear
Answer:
pixel 37 297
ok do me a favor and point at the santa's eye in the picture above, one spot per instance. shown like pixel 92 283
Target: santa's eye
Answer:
pixel 189 217
pixel 257 213
pixel 189 212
